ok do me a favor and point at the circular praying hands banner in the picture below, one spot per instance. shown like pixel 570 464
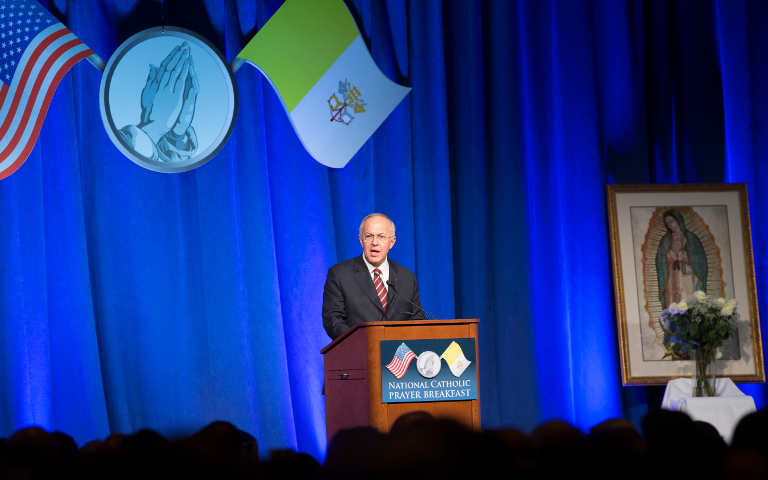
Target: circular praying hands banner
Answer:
pixel 167 99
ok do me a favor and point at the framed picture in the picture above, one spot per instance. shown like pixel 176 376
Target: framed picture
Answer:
pixel 668 241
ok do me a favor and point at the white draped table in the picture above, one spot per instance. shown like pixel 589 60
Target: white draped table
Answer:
pixel 722 411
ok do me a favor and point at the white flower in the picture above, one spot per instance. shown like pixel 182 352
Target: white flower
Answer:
pixel 728 309
pixel 682 307
pixel 720 301
pixel 731 302
pixel 673 308
pixel 700 296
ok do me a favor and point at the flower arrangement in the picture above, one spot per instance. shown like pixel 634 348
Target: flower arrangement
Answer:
pixel 696 328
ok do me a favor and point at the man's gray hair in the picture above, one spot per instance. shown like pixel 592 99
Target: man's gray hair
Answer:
pixel 362 222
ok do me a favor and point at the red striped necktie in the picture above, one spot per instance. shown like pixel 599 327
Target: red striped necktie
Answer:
pixel 380 290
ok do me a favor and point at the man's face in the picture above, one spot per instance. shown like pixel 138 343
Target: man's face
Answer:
pixel 376 240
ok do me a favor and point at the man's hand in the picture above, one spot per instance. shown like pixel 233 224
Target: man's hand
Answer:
pixel 191 89
pixel 148 95
pixel 164 91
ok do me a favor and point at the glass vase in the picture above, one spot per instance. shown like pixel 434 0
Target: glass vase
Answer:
pixel 705 378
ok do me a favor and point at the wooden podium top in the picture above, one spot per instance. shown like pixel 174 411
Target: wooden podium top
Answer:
pixel 394 323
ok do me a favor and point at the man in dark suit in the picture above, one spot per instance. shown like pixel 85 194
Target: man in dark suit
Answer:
pixel 370 287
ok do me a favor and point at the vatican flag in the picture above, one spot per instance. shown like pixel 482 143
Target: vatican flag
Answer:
pixel 317 62
pixel 454 357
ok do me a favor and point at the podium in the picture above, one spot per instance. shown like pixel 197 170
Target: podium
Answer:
pixel 353 375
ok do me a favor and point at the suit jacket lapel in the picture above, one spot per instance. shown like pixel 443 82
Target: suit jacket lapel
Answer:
pixel 363 278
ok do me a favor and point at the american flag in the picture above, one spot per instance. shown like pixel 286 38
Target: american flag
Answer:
pixel 36 51
pixel 403 357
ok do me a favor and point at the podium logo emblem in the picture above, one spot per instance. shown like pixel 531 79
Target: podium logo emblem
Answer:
pixel 454 357
pixel 429 381
pixel 399 364
pixel 428 364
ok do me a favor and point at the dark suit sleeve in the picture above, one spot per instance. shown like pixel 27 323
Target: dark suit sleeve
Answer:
pixel 334 306
pixel 418 313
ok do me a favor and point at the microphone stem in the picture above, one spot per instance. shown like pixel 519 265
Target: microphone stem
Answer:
pixel 392 286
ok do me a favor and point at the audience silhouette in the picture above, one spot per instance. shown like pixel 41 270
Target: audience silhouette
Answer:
pixel 669 445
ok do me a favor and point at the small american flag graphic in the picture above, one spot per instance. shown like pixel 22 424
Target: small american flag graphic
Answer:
pixel 36 51
pixel 403 357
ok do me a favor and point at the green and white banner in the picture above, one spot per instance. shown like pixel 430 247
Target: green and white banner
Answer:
pixel 336 97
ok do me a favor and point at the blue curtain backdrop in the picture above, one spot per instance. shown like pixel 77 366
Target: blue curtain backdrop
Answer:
pixel 132 299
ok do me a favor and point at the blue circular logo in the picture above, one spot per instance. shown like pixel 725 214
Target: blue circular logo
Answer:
pixel 168 100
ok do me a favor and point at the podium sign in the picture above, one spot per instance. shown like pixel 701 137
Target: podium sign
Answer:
pixel 428 370
pixel 361 390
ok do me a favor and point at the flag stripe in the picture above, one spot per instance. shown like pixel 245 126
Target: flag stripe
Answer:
pixel 20 125
pixel 399 367
pixel 31 87
pixel 18 85
pixel 42 41
pixel 37 51
pixel 30 143
pixel 50 66
pixel 3 92
pixel 407 361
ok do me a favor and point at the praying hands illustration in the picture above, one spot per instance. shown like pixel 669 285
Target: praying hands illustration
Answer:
pixel 164 133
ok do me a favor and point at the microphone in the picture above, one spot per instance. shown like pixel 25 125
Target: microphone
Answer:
pixel 392 286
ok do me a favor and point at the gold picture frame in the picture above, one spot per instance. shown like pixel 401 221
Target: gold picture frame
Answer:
pixel 716 242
